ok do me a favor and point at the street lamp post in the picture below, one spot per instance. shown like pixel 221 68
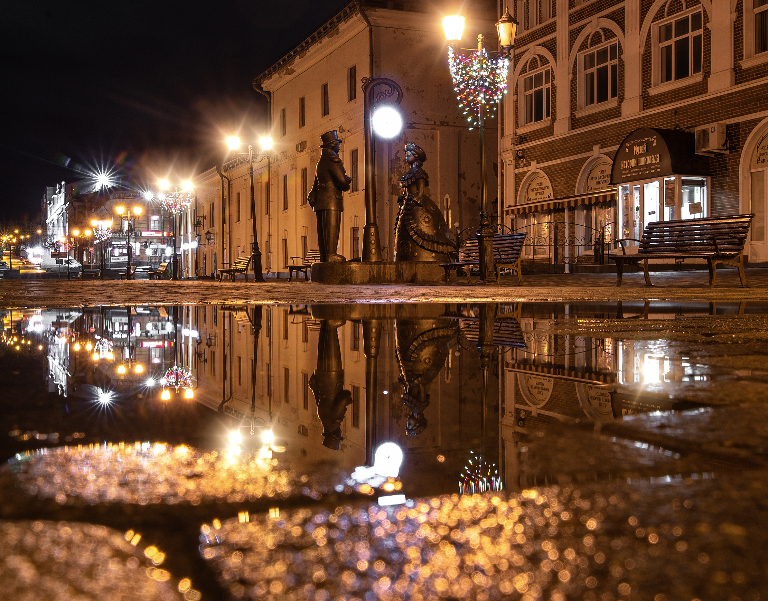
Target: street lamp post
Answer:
pixel 102 231
pixel 175 203
pixel 130 219
pixel 266 145
pixel 387 124
pixel 481 81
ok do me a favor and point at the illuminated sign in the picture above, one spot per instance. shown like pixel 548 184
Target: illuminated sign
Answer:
pixel 155 234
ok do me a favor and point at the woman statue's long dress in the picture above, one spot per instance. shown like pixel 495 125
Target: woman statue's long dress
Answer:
pixel 421 233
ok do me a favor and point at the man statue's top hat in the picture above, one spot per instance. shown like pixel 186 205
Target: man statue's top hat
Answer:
pixel 329 138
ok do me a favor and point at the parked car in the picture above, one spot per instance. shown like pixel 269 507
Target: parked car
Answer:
pixel 4 266
pixel 60 265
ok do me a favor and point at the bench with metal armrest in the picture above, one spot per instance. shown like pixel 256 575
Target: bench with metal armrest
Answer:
pixel 507 252
pixel 303 264
pixel 239 266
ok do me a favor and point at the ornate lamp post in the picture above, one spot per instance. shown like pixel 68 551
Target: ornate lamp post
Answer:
pixel 480 83
pixel 102 231
pixel 381 118
pixel 175 203
pixel 266 145
pixel 130 219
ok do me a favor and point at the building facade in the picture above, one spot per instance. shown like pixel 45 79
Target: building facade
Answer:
pixel 626 112
pixel 316 88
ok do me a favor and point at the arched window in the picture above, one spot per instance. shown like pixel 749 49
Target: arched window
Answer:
pixel 535 92
pixel 599 73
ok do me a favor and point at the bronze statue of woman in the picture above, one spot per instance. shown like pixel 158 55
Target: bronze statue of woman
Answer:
pixel 421 233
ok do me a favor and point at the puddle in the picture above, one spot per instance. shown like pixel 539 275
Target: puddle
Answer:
pixel 184 415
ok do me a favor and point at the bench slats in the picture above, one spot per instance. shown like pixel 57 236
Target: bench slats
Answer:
pixel 716 239
pixel 507 250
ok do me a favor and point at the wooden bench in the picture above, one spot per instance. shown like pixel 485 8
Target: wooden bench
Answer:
pixel 507 250
pixel 303 264
pixel 161 273
pixel 131 273
pixel 239 266
pixel 716 239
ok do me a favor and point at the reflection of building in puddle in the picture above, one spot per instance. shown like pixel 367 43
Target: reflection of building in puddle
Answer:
pixel 570 377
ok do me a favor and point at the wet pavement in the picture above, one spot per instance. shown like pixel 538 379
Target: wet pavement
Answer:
pixel 573 441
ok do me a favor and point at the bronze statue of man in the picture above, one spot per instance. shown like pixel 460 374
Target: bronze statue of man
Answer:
pixel 331 180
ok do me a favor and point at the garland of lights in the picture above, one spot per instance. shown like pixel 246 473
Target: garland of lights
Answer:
pixel 175 202
pixel 102 234
pixel 479 476
pixel 103 346
pixel 177 377
pixel 478 81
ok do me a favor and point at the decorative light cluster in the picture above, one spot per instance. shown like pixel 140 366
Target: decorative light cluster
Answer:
pixel 479 82
pixel 479 476
pixel 177 377
pixel 176 201
pixel 101 234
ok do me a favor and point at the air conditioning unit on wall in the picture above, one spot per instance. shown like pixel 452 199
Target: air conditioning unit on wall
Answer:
pixel 711 139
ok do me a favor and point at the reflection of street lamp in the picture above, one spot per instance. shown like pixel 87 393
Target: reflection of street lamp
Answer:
pixel 130 219
pixel 266 145
pixel 386 123
pixel 480 82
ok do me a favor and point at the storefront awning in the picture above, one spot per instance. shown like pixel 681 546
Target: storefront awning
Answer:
pixel 602 196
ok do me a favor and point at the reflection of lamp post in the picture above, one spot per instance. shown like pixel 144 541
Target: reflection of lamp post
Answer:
pixel 387 124
pixel 175 202
pixel 130 219
pixel 266 144
pixel 102 231
pixel 480 81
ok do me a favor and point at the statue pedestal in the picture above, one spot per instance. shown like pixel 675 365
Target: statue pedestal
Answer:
pixel 353 272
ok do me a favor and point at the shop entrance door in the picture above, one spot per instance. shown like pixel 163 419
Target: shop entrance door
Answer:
pixel 639 205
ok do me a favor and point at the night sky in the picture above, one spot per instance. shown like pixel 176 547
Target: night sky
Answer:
pixel 149 88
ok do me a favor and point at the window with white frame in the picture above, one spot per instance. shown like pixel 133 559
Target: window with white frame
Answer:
pixel 681 47
pixel 537 94
pixel 600 73
pixel 531 13
pixel 755 32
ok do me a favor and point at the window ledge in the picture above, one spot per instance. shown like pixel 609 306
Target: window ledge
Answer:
pixel 673 85
pixel 596 108
pixel 753 61
pixel 533 126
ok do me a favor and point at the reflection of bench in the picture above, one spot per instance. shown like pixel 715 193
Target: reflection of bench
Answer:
pixel 131 273
pixel 161 273
pixel 507 250
pixel 239 266
pixel 716 239
pixel 303 264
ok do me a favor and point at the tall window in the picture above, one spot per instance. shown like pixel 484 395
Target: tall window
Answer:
pixel 352 83
pixel 237 206
pixel 355 406
pixel 761 25
pixel 305 388
pixel 531 13
pixel 304 249
pixel 239 371
pixel 681 47
pixel 286 384
pixel 283 122
pixel 304 185
pixel 537 94
pixel 324 100
pixel 355 241
pixel 302 112
pixel 285 253
pixel 285 192
pixel 354 165
pixel 601 74
pixel 266 198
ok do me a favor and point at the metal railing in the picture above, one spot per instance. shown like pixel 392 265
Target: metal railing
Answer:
pixel 546 243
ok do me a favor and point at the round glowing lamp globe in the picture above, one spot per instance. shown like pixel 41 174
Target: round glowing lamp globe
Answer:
pixel 387 122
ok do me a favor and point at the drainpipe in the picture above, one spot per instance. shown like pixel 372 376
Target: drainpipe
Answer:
pixel 223 177
pixel 267 196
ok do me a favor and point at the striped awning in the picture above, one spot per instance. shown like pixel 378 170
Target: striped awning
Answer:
pixel 602 196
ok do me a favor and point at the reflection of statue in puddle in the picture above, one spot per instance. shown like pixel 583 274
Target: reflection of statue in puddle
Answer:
pixel 422 346
pixel 327 383
pixel 421 233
